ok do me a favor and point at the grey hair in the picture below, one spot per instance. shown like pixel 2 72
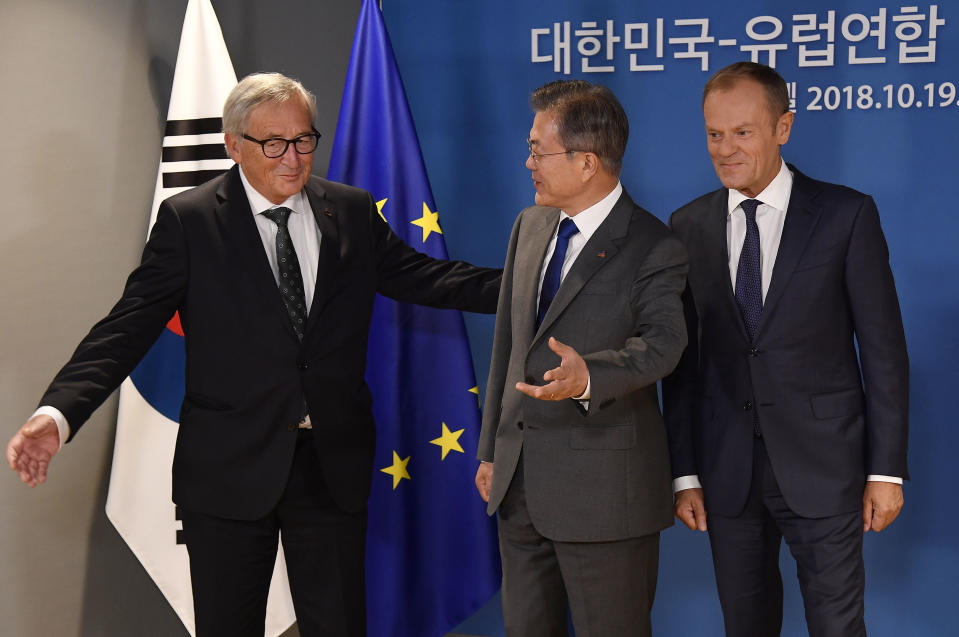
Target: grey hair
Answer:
pixel 260 88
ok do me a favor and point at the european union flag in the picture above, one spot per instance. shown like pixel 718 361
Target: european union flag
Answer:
pixel 431 549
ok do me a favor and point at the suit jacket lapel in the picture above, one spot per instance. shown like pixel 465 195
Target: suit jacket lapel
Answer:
pixel 801 218
pixel 528 265
pixel 325 213
pixel 717 254
pixel 600 248
pixel 235 219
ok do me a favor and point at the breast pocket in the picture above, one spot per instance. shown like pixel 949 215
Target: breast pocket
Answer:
pixel 820 258
pixel 600 288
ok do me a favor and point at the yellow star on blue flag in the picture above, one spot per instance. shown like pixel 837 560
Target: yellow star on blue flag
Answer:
pixel 475 390
pixel 429 222
pixel 398 469
pixel 449 441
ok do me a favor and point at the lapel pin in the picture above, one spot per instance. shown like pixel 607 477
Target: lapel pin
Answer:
pixel 328 212
pixel 601 254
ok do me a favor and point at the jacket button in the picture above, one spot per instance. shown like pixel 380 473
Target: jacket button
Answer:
pixel 291 427
pixel 530 380
pixel 747 406
pixel 520 425
pixel 304 365
pixel 754 351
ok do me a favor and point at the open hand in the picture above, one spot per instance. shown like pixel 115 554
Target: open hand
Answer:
pixel 569 380
pixel 30 450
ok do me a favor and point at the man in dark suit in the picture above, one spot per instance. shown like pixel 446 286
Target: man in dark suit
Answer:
pixel 778 428
pixel 590 307
pixel 273 272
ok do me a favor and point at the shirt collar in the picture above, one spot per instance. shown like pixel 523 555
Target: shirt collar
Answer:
pixel 776 194
pixel 260 204
pixel 589 219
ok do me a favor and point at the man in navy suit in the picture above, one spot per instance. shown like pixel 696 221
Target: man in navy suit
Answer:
pixel 778 427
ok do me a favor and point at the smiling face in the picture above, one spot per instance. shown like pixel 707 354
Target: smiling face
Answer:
pixel 744 136
pixel 279 178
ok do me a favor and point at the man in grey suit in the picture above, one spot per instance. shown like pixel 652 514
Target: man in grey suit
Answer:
pixel 577 467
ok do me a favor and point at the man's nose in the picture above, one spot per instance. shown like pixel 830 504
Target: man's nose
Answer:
pixel 290 157
pixel 726 146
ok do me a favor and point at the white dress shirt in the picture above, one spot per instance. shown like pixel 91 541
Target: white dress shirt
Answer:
pixel 586 222
pixel 306 241
pixel 770 217
pixel 303 231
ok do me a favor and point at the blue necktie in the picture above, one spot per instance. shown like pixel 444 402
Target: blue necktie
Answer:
pixel 554 269
pixel 749 279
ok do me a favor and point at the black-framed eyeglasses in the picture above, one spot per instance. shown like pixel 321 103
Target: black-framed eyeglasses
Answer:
pixel 276 146
pixel 537 156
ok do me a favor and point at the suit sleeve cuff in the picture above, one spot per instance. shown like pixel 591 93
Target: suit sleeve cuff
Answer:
pixel 583 399
pixel 63 427
pixel 686 482
pixel 879 478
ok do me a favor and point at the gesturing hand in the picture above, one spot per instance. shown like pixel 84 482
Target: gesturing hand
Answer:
pixel 566 381
pixel 31 448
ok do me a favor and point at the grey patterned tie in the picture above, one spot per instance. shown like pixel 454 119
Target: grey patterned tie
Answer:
pixel 291 279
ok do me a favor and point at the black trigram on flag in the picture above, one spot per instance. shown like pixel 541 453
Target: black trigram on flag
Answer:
pixel 193 152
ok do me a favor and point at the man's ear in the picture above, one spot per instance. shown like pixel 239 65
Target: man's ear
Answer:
pixel 232 143
pixel 591 165
pixel 784 127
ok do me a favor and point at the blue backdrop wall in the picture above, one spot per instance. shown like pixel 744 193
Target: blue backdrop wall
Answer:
pixel 875 87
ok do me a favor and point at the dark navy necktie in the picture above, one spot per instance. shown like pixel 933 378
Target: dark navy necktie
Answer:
pixel 749 278
pixel 554 269
pixel 291 279
pixel 749 284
